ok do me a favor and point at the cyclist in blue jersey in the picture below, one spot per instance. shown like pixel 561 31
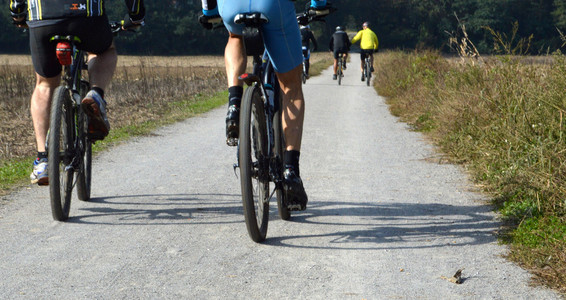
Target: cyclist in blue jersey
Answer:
pixel 282 41
pixel 87 20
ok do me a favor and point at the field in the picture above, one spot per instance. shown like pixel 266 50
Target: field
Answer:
pixel 503 118
pixel 142 90
pixel 146 92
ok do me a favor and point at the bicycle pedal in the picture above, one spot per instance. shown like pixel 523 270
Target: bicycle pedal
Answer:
pixel 295 207
pixel 232 141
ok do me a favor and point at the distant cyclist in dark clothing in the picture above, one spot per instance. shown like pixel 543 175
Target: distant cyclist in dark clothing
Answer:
pixel 306 37
pixel 339 43
pixel 85 19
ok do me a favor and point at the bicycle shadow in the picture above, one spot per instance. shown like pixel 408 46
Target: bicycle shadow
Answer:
pixel 392 226
pixel 159 209
pixel 347 225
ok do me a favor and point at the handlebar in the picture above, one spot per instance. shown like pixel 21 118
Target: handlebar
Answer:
pixel 314 15
pixel 118 26
pixel 308 16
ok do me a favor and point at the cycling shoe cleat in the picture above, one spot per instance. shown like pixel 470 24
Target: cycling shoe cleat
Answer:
pixel 232 125
pixel 95 107
pixel 39 174
pixel 296 199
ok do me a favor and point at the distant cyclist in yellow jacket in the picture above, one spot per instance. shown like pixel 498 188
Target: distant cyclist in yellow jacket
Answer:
pixel 368 44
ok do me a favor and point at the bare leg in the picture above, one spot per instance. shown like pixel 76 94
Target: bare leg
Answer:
pixel 335 66
pixel 235 59
pixel 101 67
pixel 293 107
pixel 41 107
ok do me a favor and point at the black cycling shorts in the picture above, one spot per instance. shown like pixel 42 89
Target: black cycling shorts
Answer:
pixel 94 32
pixel 337 53
pixel 364 52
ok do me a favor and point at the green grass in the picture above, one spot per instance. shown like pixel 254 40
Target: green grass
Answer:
pixel 14 172
pixel 505 120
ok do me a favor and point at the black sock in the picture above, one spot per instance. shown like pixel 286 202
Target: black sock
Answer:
pixel 235 95
pixel 291 158
pixel 41 155
pixel 99 91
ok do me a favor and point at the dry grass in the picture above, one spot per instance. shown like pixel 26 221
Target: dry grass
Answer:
pixel 504 119
pixel 141 91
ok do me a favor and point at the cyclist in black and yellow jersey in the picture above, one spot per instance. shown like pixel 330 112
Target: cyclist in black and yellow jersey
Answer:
pixel 87 20
pixel 369 44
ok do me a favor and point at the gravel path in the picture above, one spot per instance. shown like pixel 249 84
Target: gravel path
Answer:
pixel 385 219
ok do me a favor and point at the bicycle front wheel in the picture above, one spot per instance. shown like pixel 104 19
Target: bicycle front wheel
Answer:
pixel 61 151
pixel 280 144
pixel 84 177
pixel 254 164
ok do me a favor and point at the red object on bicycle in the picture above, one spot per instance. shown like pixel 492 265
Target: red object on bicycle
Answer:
pixel 64 53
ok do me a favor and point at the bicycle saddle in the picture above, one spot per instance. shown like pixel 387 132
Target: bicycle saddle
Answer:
pixel 251 19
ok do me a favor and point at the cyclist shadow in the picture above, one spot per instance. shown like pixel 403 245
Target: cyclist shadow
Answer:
pixel 391 226
pixel 152 209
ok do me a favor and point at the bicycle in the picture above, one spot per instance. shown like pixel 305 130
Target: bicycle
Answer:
pixel 305 76
pixel 339 70
pixel 69 144
pixel 367 69
pixel 261 140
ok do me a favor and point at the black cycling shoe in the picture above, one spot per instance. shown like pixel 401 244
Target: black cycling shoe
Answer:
pixel 296 199
pixel 232 122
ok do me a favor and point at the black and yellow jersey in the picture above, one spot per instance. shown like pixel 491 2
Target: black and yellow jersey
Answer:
pixel 59 9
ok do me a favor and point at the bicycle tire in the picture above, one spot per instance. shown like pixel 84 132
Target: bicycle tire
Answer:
pixel 254 164
pixel 304 73
pixel 340 75
pixel 368 72
pixel 60 152
pixel 280 144
pixel 84 177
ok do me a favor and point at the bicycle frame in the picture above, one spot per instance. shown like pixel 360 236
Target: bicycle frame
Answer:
pixel 265 79
pixel 72 79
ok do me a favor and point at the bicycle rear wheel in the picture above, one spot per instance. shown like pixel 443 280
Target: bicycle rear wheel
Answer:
pixel 61 152
pixel 367 70
pixel 340 74
pixel 254 164
pixel 304 76
pixel 84 177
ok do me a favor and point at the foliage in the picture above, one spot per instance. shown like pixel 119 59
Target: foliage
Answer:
pixel 172 27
